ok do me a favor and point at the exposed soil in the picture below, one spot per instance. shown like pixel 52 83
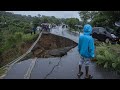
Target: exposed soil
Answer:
pixel 51 45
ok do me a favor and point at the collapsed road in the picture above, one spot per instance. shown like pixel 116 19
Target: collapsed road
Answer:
pixel 51 66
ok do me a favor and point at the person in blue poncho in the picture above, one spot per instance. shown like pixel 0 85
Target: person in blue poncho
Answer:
pixel 86 50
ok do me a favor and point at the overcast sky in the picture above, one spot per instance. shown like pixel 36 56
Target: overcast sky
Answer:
pixel 58 14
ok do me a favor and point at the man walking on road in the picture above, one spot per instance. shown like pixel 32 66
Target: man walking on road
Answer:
pixel 33 30
pixel 86 50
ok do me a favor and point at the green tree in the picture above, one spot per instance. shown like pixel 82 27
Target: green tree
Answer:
pixel 71 22
pixel 39 15
pixel 106 18
pixel 36 21
pixel 87 16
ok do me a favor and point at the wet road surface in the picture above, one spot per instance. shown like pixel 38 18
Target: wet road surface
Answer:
pixel 18 70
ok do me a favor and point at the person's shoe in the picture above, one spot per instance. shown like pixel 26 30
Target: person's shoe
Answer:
pixel 80 74
pixel 90 77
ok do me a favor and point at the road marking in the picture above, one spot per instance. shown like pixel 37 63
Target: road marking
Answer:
pixel 28 74
pixel 2 77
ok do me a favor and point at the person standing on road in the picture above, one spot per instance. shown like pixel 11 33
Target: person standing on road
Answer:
pixel 86 50
pixel 34 29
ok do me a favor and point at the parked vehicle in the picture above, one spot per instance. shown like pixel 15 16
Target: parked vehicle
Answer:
pixel 117 24
pixel 102 34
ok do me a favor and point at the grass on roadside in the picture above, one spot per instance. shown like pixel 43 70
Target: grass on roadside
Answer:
pixel 108 56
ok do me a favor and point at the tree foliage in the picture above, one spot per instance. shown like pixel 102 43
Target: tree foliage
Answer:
pixel 106 18
pixel 87 16
pixel 71 22
pixel 100 18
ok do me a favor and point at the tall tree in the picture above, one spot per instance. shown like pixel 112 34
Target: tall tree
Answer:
pixel 39 15
pixel 71 22
pixel 87 16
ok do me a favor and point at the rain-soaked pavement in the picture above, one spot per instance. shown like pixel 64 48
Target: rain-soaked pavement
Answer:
pixel 57 68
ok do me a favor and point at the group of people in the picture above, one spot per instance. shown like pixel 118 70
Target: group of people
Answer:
pixel 64 26
pixel 46 27
pixel 43 27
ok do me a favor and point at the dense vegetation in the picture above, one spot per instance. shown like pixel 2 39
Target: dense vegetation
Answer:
pixel 46 19
pixel 108 56
pixel 71 22
pixel 14 31
pixel 100 18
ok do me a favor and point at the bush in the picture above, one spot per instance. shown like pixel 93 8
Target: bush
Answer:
pixel 71 29
pixel 11 40
pixel 28 37
pixel 107 59
pixel 27 31
pixel 18 36
pixel 12 33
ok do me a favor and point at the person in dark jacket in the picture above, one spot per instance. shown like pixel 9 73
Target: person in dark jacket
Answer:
pixel 34 30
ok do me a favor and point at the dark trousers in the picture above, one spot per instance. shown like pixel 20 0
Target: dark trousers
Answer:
pixel 32 32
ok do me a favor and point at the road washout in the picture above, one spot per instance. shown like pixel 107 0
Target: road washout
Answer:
pixel 51 45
